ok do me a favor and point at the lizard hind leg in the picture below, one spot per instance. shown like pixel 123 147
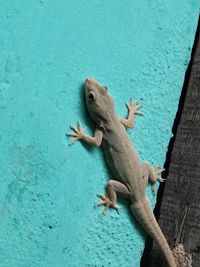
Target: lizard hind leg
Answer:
pixel 109 201
pixel 152 175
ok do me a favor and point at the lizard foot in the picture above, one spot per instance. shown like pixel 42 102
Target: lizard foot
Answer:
pixel 157 170
pixel 134 107
pixel 78 133
pixel 108 203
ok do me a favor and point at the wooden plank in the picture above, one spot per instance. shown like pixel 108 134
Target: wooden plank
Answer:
pixel 180 208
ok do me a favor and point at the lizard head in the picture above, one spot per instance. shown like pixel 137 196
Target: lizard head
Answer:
pixel 99 103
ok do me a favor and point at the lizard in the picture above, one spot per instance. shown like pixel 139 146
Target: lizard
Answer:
pixel 131 176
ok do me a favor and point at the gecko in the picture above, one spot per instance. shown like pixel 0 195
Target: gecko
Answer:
pixel 130 175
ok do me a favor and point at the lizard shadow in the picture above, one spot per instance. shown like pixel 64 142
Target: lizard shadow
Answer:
pixel 86 116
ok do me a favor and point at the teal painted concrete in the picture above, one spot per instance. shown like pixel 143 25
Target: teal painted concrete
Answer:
pixel 48 188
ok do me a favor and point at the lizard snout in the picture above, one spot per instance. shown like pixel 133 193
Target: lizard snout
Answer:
pixel 91 85
pixel 90 81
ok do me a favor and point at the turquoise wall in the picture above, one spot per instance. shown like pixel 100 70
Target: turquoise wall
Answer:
pixel 48 188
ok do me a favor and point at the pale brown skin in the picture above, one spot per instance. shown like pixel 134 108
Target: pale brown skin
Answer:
pixel 130 174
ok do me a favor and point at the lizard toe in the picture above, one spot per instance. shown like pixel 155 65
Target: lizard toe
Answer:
pixel 108 203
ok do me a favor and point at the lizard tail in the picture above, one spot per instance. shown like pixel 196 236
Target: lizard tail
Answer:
pixel 143 213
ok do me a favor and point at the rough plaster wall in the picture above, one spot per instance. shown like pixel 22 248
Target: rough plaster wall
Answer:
pixel 48 188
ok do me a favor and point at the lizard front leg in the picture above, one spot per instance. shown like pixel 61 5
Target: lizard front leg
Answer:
pixel 133 109
pixel 79 134
pixel 113 187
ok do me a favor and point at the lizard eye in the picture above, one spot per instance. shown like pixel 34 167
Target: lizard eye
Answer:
pixel 91 96
pixel 104 90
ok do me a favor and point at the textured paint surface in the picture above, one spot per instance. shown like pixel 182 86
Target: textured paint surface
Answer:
pixel 48 188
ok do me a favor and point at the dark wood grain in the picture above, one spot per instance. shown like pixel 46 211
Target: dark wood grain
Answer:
pixel 180 208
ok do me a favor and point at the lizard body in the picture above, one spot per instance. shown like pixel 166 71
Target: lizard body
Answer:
pixel 130 174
